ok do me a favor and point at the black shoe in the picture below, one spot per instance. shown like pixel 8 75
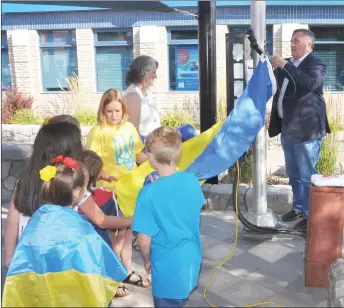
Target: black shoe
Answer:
pixel 292 215
pixel 301 225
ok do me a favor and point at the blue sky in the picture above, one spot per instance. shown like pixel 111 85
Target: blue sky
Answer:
pixel 11 8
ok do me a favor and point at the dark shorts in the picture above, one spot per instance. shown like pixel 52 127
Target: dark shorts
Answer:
pixel 168 303
pixel 109 208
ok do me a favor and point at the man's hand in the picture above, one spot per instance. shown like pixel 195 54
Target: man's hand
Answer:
pixel 277 61
pixel 148 267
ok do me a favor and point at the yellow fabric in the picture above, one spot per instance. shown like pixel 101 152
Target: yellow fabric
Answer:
pixel 117 146
pixel 130 183
pixel 62 289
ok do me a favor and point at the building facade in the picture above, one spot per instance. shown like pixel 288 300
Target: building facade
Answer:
pixel 40 50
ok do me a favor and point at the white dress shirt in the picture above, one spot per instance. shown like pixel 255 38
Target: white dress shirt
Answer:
pixel 285 83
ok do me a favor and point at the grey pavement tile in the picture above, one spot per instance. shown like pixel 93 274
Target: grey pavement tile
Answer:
pixel 246 293
pixel 246 264
pixel 243 243
pixel 220 251
pixel 216 228
pixel 294 261
pixel 323 304
pixel 313 296
pixel 208 241
pixel 274 277
pixel 223 278
pixel 197 299
pixel 227 216
pixel 294 242
pixel 270 251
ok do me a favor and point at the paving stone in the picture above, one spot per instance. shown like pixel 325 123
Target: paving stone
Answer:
pixel 246 293
pixel 6 195
pixel 224 278
pixel 219 252
pixel 270 251
pixel 216 228
pixel 246 264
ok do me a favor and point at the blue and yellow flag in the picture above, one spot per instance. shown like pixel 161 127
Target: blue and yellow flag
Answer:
pixel 217 149
pixel 61 261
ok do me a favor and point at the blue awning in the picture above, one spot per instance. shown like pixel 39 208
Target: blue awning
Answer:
pixel 156 6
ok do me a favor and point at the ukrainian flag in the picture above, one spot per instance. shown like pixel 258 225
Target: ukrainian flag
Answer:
pixel 61 261
pixel 218 148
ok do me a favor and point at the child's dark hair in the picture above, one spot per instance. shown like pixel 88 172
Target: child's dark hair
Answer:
pixel 66 187
pixel 52 140
pixel 93 164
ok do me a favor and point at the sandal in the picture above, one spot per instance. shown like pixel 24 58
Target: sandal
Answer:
pixel 124 289
pixel 138 283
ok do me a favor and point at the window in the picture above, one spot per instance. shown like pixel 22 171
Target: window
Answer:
pixel 114 54
pixel 183 59
pixel 5 63
pixel 269 39
pixel 58 57
pixel 329 45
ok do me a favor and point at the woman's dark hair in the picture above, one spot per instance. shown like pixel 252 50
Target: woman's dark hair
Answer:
pixel 93 164
pixel 62 189
pixel 52 140
pixel 138 69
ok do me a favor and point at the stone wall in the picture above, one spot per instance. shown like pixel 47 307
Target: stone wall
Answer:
pixel 13 133
pixel 336 288
pixel 13 160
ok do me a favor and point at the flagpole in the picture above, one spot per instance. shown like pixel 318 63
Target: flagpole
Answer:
pixel 259 213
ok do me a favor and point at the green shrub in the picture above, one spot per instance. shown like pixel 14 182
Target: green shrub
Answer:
pixel 25 116
pixel 86 117
pixel 328 160
pixel 176 118
pixel 245 170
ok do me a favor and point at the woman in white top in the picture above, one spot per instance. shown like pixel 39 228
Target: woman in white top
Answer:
pixel 142 109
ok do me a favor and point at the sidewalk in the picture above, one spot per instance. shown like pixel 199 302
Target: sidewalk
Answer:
pixel 260 270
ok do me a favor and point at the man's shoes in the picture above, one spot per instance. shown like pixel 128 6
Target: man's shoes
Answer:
pixel 292 215
pixel 301 225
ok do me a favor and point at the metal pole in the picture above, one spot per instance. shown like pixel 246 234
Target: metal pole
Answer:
pixel 207 65
pixel 258 23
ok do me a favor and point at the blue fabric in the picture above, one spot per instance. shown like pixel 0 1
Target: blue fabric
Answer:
pixel 168 210
pixel 57 239
pixel 168 303
pixel 300 162
pixel 187 131
pixel 109 209
pixel 239 130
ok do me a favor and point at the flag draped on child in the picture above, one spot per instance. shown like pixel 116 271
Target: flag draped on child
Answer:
pixel 218 148
pixel 61 261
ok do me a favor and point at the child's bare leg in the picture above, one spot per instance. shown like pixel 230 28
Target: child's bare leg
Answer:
pixel 126 257
pixel 118 242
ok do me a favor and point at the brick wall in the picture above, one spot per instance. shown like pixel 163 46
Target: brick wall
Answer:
pixel 25 62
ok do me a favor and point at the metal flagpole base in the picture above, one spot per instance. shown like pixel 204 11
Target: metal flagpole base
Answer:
pixel 267 219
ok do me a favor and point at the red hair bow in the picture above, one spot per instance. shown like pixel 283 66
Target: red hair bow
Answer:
pixel 67 161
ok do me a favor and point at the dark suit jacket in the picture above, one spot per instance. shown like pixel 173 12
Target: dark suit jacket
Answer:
pixel 304 110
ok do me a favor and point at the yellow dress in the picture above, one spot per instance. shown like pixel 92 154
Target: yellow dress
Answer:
pixel 117 146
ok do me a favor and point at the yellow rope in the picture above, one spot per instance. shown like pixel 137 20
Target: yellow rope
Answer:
pixel 231 252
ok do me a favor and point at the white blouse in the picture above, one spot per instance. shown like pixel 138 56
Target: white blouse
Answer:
pixel 150 118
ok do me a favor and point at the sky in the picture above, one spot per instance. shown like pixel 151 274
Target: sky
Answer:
pixel 12 8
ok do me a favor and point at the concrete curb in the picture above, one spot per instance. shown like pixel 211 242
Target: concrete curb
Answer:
pixel 219 197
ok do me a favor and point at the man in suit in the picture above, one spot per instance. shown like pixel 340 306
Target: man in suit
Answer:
pixel 299 114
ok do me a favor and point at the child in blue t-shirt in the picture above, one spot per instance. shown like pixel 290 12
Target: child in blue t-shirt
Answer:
pixel 167 218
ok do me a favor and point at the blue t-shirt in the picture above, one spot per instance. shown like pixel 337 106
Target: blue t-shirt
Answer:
pixel 169 211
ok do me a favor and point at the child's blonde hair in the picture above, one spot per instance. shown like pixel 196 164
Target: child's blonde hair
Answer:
pixel 111 95
pixel 165 144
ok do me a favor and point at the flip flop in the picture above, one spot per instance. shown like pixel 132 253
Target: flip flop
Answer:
pixel 125 289
pixel 138 283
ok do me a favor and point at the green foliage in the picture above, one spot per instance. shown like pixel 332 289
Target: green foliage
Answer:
pixel 328 159
pixel 176 118
pixel 86 117
pixel 25 116
pixel 245 170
